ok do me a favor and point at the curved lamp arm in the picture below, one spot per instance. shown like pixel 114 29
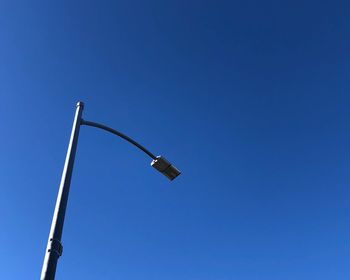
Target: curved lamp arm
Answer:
pixel 158 162
pixel 111 130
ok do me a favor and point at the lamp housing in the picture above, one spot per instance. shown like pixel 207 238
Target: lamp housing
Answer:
pixel 165 167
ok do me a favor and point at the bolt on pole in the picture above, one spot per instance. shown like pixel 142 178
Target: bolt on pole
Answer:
pixel 54 247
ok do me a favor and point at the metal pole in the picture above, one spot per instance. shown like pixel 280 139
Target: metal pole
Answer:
pixel 54 246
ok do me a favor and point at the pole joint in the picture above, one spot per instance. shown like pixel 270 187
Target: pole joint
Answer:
pixel 56 247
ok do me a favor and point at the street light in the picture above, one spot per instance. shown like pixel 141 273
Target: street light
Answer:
pixel 54 247
pixel 165 167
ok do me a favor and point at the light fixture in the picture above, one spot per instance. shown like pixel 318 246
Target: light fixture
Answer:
pixel 165 167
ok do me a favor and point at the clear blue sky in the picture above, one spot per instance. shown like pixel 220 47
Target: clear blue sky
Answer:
pixel 250 99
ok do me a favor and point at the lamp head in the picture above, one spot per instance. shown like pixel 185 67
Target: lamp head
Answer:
pixel 165 167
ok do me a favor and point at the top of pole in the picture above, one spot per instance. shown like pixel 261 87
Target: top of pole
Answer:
pixel 80 104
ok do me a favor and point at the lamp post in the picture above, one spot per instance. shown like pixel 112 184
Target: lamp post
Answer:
pixel 54 247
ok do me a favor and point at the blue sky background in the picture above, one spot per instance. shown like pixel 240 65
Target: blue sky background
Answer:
pixel 250 99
